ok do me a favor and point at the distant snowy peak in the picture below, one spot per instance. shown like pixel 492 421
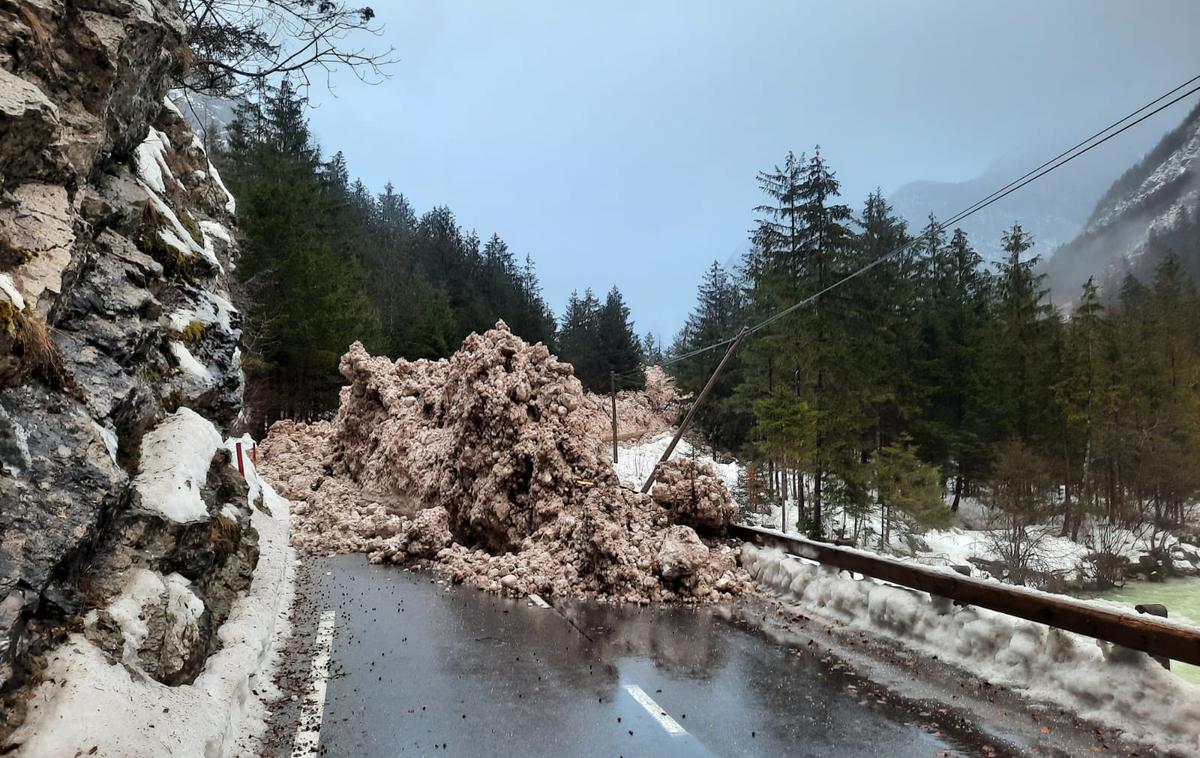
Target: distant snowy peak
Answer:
pixel 1152 210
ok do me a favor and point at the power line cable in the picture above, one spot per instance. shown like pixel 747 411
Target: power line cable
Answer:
pixel 1033 175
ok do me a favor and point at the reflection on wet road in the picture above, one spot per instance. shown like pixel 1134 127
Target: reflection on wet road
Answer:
pixel 419 668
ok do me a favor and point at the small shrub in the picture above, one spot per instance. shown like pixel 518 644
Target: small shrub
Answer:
pixel 192 333
pixel 33 344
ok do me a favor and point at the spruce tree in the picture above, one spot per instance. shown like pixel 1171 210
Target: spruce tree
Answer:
pixel 953 427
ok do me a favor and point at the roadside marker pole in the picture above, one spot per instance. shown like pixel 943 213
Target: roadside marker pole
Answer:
pixel 241 465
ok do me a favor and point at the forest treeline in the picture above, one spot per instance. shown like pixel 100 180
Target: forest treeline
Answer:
pixel 934 367
pixel 326 262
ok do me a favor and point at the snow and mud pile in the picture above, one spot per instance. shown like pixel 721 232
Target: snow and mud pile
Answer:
pixel 1097 680
pixel 486 463
pixel 640 413
pixel 694 495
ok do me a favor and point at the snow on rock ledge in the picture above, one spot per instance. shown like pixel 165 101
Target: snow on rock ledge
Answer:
pixel 1099 681
pixel 175 458
pixel 90 701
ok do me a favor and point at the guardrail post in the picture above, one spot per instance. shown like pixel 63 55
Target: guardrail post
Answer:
pixel 1155 609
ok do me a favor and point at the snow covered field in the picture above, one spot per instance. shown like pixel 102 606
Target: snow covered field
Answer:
pixel 89 705
pixel 635 462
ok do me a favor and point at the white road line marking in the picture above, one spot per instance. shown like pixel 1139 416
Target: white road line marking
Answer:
pixel 670 725
pixel 536 599
pixel 308 735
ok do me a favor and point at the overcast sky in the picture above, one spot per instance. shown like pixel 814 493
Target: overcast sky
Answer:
pixel 617 142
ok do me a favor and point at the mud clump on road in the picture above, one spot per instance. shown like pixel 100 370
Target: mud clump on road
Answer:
pixel 488 465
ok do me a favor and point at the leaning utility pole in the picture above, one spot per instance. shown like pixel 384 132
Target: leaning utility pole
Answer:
pixel 687 420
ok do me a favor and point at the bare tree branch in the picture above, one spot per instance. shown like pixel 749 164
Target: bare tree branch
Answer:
pixel 236 44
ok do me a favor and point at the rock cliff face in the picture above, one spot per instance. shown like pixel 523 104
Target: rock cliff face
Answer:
pixel 120 514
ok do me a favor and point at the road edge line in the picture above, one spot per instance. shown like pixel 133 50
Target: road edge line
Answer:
pixel 308 733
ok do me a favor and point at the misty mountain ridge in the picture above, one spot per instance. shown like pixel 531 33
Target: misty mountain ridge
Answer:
pixel 1152 210
pixel 1054 209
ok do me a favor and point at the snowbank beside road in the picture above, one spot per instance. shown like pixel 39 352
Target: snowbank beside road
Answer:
pixel 88 703
pixel 1099 681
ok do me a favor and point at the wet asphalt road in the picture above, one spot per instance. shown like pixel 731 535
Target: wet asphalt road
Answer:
pixel 423 668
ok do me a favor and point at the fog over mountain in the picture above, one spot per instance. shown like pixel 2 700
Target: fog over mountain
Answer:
pixel 1151 211
pixel 1054 209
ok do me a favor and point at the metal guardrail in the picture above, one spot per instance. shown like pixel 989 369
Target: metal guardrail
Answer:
pixel 1149 634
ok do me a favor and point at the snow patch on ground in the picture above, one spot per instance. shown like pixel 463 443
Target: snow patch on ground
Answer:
pixel 214 229
pixel 145 588
pixel 170 105
pixel 177 236
pixel 110 440
pixel 230 203
pixel 197 371
pixel 211 309
pixel 19 437
pixel 1099 681
pixel 635 462
pixel 175 457
pixel 89 703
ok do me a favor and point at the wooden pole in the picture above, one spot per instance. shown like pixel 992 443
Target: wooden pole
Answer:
pixel 1149 634
pixel 612 388
pixel 687 419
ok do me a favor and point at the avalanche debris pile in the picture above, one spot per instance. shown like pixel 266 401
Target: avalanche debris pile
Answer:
pixel 640 413
pixel 694 495
pixel 487 463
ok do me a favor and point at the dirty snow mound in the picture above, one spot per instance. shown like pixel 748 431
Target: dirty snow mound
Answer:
pixel 694 495
pixel 495 445
pixel 640 413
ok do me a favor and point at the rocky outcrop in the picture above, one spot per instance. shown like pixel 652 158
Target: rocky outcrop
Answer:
pixel 121 515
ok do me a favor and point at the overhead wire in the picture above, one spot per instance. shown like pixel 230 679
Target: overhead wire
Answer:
pixel 1058 161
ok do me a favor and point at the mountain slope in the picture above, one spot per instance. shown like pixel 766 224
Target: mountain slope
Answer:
pixel 1053 209
pixel 1153 209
